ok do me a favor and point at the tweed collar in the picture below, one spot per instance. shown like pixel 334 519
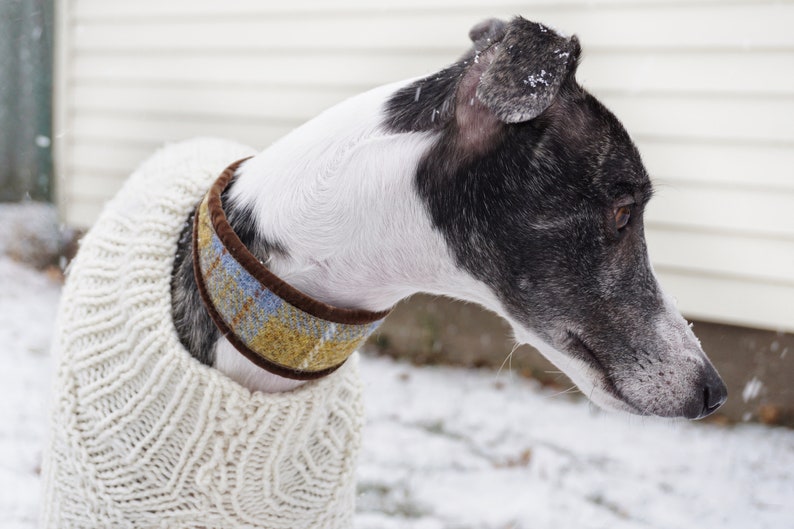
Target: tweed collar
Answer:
pixel 277 327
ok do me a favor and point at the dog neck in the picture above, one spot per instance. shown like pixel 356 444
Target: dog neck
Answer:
pixel 353 232
pixel 275 326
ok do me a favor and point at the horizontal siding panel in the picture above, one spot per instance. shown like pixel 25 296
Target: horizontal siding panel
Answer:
pixel 749 258
pixel 671 73
pixel 374 32
pixel 230 103
pixel 667 26
pixel 82 212
pixel 748 303
pixel 714 118
pixel 155 130
pixel 655 26
pixel 107 157
pixel 723 210
pixel 741 72
pixel 309 69
pixel 749 166
pixel 94 186
pixel 102 9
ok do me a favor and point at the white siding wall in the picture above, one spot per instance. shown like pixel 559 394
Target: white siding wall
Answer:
pixel 705 87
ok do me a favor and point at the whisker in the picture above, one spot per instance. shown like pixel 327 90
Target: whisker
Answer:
pixel 508 360
pixel 571 389
pixel 590 404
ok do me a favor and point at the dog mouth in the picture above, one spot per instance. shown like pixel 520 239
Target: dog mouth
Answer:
pixel 579 349
pixel 582 351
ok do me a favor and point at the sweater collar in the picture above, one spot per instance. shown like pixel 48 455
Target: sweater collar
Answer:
pixel 276 326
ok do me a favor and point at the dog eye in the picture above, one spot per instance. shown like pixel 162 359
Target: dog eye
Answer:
pixel 622 216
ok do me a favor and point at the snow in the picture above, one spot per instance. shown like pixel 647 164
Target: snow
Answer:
pixel 534 80
pixel 752 389
pixel 27 309
pixel 470 449
pixel 454 449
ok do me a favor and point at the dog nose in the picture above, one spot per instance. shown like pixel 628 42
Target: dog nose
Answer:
pixel 711 395
pixel 714 394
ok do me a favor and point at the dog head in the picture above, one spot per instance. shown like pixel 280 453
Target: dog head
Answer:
pixel 539 193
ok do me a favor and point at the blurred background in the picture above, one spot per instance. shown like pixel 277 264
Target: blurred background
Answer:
pixel 89 88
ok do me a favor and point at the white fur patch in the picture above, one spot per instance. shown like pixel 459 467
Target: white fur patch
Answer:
pixel 233 364
pixel 338 195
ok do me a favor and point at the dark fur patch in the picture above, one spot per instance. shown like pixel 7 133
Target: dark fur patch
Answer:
pixel 532 218
pixel 194 326
pixel 523 180
pixel 427 104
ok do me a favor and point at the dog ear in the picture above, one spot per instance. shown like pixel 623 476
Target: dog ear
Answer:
pixel 429 103
pixel 527 68
pixel 511 74
pixel 511 80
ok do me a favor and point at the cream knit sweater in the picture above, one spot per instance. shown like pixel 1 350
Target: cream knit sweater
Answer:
pixel 143 435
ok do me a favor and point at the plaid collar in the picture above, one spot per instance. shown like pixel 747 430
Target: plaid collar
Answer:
pixel 277 327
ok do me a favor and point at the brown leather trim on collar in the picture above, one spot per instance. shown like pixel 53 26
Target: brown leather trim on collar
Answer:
pixel 238 344
pixel 288 293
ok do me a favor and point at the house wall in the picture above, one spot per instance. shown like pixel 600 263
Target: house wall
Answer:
pixel 705 87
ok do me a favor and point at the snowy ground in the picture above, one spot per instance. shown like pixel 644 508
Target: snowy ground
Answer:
pixel 449 448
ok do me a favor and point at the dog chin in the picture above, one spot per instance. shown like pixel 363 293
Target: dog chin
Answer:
pixel 592 383
pixel 597 387
pixel 604 399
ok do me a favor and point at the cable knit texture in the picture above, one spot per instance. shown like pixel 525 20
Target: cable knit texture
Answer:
pixel 142 434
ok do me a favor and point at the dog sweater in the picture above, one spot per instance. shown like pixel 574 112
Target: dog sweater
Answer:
pixel 142 434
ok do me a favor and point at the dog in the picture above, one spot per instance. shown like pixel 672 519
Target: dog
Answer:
pixel 206 335
pixel 498 180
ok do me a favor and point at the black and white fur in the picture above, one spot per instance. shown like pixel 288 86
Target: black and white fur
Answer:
pixel 495 180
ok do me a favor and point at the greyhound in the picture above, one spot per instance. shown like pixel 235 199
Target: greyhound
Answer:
pixel 498 180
